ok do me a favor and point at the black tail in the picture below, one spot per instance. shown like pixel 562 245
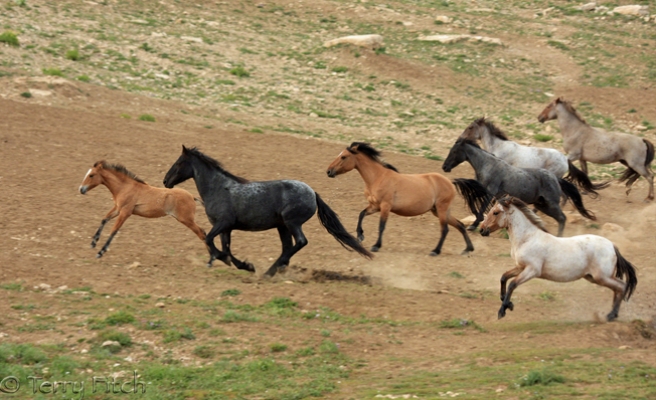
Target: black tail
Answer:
pixel 331 222
pixel 583 181
pixel 478 199
pixel 625 268
pixel 631 175
pixel 571 192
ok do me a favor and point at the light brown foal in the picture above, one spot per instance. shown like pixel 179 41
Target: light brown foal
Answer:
pixel 134 196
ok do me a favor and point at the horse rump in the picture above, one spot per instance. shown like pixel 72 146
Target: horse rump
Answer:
pixel 631 175
pixel 477 197
pixel 333 225
pixel 579 177
pixel 624 268
pixel 571 192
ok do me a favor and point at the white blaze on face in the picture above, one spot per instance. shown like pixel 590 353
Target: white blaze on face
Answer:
pixel 85 177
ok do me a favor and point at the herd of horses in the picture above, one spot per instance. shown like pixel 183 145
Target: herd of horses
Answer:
pixel 508 178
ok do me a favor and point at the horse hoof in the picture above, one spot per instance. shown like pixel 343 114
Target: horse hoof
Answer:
pixel 466 252
pixel 434 254
pixel 502 313
pixel 511 306
pixel 99 255
pixel 360 238
pixel 375 249
pixel 611 317
pixel 471 228
pixel 93 245
pixel 249 267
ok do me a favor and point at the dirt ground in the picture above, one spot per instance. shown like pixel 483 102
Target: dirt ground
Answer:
pixel 46 226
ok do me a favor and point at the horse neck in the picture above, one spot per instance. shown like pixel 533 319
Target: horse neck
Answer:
pixel 115 182
pixel 478 159
pixel 520 229
pixel 208 180
pixel 369 169
pixel 568 121
pixel 490 142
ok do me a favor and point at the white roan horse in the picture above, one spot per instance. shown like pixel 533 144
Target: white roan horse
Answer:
pixel 496 142
pixel 585 143
pixel 538 254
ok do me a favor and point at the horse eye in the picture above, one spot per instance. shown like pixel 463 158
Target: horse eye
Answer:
pixel 496 213
pixel 91 176
pixel 343 157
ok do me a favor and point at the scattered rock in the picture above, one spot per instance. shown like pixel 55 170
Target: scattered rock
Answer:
pixel 632 10
pixel 624 347
pixel 160 304
pixel 371 41
pixel 587 6
pixel 135 264
pixel 192 39
pixel 108 343
pixel 443 19
pixel 459 38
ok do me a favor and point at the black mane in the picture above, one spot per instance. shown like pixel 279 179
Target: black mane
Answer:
pixel 492 128
pixel 367 150
pixel 119 168
pixel 209 161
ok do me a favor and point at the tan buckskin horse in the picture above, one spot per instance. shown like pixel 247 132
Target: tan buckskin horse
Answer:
pixel 133 196
pixel 407 195
pixel 585 143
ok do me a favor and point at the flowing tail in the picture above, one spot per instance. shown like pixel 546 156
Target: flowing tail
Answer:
pixel 583 181
pixel 331 222
pixel 631 175
pixel 476 196
pixel 571 192
pixel 625 268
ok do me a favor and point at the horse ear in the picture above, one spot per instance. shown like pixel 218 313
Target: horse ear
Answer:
pixel 559 100
pixel 184 149
pixel 99 164
pixel 505 201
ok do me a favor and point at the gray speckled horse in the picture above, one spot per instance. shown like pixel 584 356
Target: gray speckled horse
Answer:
pixel 535 186
pixel 233 203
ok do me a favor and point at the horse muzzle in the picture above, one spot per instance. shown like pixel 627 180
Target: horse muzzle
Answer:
pixel 84 189
pixel 542 119
pixel 166 184
pixel 331 173
pixel 485 231
pixel 446 168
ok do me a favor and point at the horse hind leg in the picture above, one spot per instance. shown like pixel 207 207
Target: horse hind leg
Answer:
pixel 554 211
pixel 453 221
pixel 288 250
pixel 384 214
pixel 618 287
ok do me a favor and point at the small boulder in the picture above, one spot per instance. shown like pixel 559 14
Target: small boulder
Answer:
pixel 371 41
pixel 632 10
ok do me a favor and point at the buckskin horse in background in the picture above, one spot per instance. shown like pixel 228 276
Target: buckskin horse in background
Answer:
pixel 407 195
pixel 585 143
pixel 133 196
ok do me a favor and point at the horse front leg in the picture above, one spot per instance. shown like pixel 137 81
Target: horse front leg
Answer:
pixel 113 213
pixel 480 216
pixel 215 254
pixel 384 214
pixel 123 215
pixel 229 258
pixel 504 279
pixel 525 275
pixel 367 211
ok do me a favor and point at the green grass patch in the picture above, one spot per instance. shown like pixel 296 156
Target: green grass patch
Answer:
pixel 542 137
pixel 53 72
pixel 73 55
pixel 10 38
pixel 120 318
pixel 240 71
pixel 147 118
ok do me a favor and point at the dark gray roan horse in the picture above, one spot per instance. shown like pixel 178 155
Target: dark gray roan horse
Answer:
pixel 535 186
pixel 233 203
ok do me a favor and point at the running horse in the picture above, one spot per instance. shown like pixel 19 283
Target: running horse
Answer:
pixel 538 254
pixel 234 203
pixel 496 142
pixel 535 186
pixel 585 143
pixel 134 196
pixel 407 195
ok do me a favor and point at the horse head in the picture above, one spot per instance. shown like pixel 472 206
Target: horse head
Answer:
pixel 180 171
pixel 549 112
pixel 497 217
pixel 472 132
pixel 344 162
pixel 457 155
pixel 92 178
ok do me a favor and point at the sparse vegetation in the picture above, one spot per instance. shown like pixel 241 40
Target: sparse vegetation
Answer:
pixel 9 38
pixel 147 118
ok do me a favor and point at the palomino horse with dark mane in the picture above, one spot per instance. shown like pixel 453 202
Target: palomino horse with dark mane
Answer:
pixel 408 195
pixel 133 196
pixel 234 203
pixel 585 143
pixel 535 186
pixel 496 142
pixel 538 254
